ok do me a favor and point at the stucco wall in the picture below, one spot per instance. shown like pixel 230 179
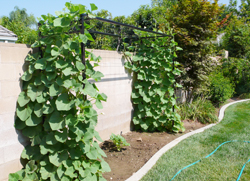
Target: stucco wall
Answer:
pixel 117 110
pixel 11 142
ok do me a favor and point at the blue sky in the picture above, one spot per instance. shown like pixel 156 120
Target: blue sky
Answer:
pixel 116 7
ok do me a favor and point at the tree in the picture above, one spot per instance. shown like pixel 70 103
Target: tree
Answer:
pixel 195 24
pixel 21 24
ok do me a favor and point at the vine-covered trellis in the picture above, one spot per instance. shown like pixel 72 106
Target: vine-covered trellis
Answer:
pixel 154 85
pixel 53 110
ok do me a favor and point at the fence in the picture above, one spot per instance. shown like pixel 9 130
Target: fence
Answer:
pixel 117 110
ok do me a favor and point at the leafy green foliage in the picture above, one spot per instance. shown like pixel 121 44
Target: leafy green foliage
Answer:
pixel 153 91
pixel 238 71
pixel 118 141
pixel 221 88
pixel 201 110
pixel 21 24
pixel 51 109
pixel 237 39
pixel 195 24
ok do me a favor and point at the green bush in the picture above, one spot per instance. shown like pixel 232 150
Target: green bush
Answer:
pixel 221 88
pixel 238 71
pixel 201 110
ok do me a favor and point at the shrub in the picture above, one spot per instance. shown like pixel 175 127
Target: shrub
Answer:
pixel 221 88
pixel 238 71
pixel 201 110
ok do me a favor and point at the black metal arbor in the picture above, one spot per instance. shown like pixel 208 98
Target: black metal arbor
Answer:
pixel 84 18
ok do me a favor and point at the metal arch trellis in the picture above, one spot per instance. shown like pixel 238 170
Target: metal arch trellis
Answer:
pixel 84 17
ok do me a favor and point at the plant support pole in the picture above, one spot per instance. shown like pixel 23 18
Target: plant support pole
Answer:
pixel 83 52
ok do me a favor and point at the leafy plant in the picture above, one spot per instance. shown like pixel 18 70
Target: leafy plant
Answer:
pixel 221 88
pixel 119 141
pixel 195 24
pixel 154 77
pixel 201 110
pixel 52 110
pixel 21 24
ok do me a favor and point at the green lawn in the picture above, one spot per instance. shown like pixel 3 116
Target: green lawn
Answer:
pixel 224 164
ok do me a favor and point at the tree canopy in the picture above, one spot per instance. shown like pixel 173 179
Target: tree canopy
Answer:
pixel 22 24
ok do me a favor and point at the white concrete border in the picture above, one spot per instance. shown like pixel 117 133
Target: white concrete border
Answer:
pixel 143 170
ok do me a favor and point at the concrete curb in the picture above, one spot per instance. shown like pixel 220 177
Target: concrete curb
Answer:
pixel 143 170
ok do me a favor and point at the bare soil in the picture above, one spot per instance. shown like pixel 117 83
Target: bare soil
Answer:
pixel 142 147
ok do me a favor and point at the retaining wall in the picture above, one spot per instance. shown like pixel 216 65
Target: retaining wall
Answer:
pixel 117 110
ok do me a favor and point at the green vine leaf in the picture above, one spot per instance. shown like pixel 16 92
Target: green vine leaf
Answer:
pixel 23 99
pixel 26 76
pixel 93 7
pixel 33 120
pixel 40 64
pixel 57 158
pixel 23 113
pixel 62 22
pixel 56 122
pixel 34 91
pixel 63 102
pixel 61 137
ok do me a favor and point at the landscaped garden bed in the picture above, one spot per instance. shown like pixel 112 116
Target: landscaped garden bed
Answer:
pixel 142 147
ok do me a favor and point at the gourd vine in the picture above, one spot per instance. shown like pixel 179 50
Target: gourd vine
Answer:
pixel 52 110
pixel 154 76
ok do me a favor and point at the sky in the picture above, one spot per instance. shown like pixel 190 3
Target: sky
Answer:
pixel 38 8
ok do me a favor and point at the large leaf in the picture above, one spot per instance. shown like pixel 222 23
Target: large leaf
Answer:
pixel 69 71
pixel 23 99
pixel 47 171
pixel 50 139
pixel 19 124
pixel 97 76
pixel 56 121
pixel 63 103
pixel 83 38
pixel 26 76
pixel 70 172
pixel 89 89
pixel 40 64
pixel 92 154
pixel 34 91
pixel 33 120
pixel 80 66
pixel 57 158
pixel 55 89
pixel 61 137
pixel 23 113
pixel 93 7
pixel 62 22
pixel 98 104
pixel 47 109
pixel 38 109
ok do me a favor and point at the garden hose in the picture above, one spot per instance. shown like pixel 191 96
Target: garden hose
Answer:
pixel 213 153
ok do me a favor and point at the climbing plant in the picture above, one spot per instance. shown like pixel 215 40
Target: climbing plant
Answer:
pixel 52 110
pixel 154 79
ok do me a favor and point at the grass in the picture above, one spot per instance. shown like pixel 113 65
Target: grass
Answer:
pixel 224 164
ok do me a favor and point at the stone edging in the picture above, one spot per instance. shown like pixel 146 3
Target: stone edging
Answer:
pixel 143 170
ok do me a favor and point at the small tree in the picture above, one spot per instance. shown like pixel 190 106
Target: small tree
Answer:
pixel 194 22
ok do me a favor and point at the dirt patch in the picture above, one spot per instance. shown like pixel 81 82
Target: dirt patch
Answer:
pixel 142 147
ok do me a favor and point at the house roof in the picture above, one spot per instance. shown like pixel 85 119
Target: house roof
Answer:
pixel 7 35
pixel 6 32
